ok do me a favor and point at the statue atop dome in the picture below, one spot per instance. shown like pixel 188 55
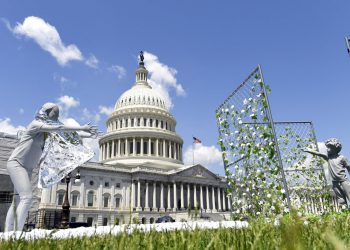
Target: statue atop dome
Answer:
pixel 141 57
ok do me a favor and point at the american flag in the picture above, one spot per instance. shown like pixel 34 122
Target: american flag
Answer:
pixel 196 140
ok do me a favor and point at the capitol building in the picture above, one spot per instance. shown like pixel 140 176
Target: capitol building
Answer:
pixel 140 175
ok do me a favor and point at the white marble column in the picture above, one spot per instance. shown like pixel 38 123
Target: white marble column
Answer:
pixel 141 146
pixel 213 198
pixel 164 155
pixel 161 197
pixel 195 195
pixel 146 198
pixel 134 146
pixel 126 147
pixel 157 145
pixel 182 196
pixel 132 195
pixel 201 196
pixel 138 196
pixel 149 146
pixel 207 194
pixel 175 199
pixel 188 196
pixel 170 149
pixel 112 203
pixel 154 207
pixel 113 145
pixel 108 153
pixel 119 150
pixel 99 196
pixel 223 200
pixel 229 202
pixel 219 199
pixel 169 201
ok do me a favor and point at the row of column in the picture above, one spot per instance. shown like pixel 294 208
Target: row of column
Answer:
pixel 139 122
pixel 217 202
pixel 140 147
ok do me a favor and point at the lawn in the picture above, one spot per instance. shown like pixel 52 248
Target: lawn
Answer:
pixel 292 231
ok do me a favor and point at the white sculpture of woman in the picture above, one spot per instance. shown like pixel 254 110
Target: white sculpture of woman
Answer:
pixel 25 157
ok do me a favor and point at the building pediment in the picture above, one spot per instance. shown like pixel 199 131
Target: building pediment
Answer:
pixel 197 171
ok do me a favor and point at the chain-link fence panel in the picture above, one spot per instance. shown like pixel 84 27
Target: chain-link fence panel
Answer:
pixel 248 143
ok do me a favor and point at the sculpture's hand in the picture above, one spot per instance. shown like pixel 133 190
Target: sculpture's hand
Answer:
pixel 90 129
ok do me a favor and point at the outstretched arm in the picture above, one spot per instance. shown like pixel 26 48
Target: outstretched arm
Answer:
pixel 69 128
pixel 316 153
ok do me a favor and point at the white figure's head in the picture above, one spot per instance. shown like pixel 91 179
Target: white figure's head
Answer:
pixel 49 111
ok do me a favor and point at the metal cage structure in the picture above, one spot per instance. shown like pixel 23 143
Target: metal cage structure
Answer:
pixel 265 167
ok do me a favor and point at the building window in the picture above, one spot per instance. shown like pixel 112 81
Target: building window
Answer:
pixel 105 201
pixel 60 198
pixel 73 219
pixel 138 122
pixel 105 221
pixel 152 148
pixel 106 184
pixel 117 202
pixel 117 185
pixel 132 122
pixel 131 147
pixel 151 122
pixel 161 124
pixel 144 122
pixel 91 183
pixel 74 200
pixel 156 123
pixel 89 221
pixel 145 147
pixel 90 198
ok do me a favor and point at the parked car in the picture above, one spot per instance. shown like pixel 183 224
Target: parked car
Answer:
pixel 164 219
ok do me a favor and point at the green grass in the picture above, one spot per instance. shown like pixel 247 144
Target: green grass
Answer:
pixel 321 232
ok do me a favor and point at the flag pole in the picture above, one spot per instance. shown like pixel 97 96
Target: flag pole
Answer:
pixel 192 150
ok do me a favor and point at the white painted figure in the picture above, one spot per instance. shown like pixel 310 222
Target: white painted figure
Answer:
pixel 337 166
pixel 41 136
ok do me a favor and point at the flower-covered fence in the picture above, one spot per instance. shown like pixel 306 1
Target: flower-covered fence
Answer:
pixel 259 154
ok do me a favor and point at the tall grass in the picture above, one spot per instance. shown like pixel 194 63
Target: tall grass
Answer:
pixel 290 232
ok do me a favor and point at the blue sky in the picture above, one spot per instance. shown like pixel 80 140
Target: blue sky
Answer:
pixel 212 45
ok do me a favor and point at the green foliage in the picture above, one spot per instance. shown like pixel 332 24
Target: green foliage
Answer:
pixel 289 232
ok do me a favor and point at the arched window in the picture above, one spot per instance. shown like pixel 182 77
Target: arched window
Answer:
pixel 118 200
pixel 90 198
pixel 74 198
pixel 106 198
pixel 60 197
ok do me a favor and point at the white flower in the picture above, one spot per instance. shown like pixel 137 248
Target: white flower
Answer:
pixel 299 214
pixel 236 132
pixel 258 213
pixel 276 222
pixel 242 111
pixel 240 122
pixel 232 106
pixel 283 191
pixel 226 110
pixel 250 99
pixel 242 155
pixel 261 202
pixel 272 208
pixel 245 102
pixel 306 223
pixel 268 195
pixel 270 143
pixel 286 210
pixel 254 110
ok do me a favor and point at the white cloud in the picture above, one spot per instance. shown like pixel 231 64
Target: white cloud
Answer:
pixel 205 155
pixel 68 102
pixel 119 70
pixel 106 110
pixel 162 78
pixel 7 127
pixel 48 38
pixel 92 62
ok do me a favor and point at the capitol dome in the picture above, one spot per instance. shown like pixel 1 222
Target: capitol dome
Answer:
pixel 141 129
